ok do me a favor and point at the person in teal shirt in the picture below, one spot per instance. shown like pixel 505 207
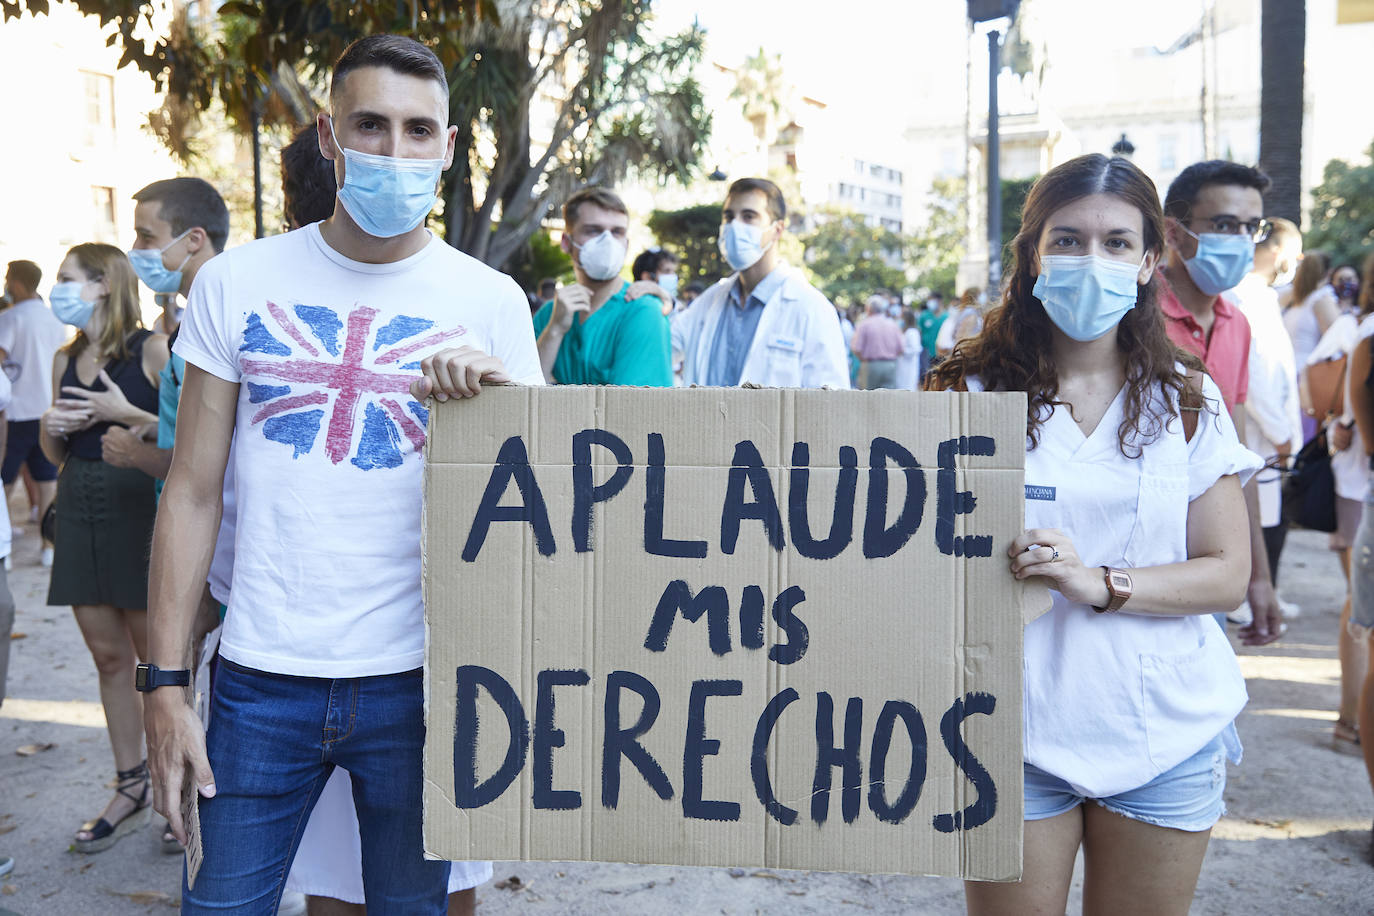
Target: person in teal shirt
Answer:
pixel 593 332
pixel 929 322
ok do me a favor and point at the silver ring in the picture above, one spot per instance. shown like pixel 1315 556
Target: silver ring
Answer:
pixel 1054 554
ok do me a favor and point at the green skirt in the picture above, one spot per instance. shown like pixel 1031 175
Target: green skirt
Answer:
pixel 105 520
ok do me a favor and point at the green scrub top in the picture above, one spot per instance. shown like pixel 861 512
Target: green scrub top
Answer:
pixel 621 343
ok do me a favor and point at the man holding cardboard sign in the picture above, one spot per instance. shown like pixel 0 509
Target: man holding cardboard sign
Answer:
pixel 307 350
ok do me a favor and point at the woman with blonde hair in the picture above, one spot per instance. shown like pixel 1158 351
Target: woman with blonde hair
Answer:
pixel 1140 528
pixel 106 376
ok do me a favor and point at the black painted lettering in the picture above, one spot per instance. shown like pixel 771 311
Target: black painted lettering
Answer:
pixel 950 501
pixel 881 539
pixel 984 806
pixel 624 742
pixel 798 637
pixel 512 464
pixel 467 791
pixel 829 756
pixel 758 758
pixel 547 737
pixel 747 467
pixel 841 518
pixel 713 601
pixel 655 490
pixel 586 492
pixel 906 801
pixel 697 746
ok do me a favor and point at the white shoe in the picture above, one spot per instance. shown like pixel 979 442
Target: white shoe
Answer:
pixel 1241 616
pixel 1290 610
pixel 8 564
pixel 45 558
pixel 292 904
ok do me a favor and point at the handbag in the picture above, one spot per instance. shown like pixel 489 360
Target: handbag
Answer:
pixel 1326 387
pixel 1309 492
pixel 47 528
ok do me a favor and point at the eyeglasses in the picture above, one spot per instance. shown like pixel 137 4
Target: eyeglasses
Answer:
pixel 1256 229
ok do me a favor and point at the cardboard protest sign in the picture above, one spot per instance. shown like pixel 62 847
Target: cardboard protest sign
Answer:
pixel 725 627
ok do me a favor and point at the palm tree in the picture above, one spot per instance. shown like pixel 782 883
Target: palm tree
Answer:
pixel 1283 37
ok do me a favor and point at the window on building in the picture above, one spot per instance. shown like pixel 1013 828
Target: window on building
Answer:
pixel 103 206
pixel 1168 152
pixel 100 123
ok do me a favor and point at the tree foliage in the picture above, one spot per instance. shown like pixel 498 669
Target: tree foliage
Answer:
pixel 691 234
pixel 614 101
pixel 1342 217
pixel 938 247
pixel 850 260
pixel 547 94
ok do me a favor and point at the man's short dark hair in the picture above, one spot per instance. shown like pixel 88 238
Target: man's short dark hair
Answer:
pixel 1184 190
pixel 548 284
pixel 185 203
pixel 647 262
pixel 307 180
pixel 394 52
pixel 27 273
pixel 777 207
pixel 604 198
pixel 695 287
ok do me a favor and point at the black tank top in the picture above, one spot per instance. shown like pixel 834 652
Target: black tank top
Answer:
pixel 128 375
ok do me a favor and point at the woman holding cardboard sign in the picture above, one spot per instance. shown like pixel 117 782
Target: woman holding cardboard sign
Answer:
pixel 1138 521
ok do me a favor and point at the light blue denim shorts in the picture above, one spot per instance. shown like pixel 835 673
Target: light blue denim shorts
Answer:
pixel 1187 797
pixel 1362 574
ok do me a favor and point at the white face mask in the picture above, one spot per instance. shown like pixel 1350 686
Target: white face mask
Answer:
pixel 602 257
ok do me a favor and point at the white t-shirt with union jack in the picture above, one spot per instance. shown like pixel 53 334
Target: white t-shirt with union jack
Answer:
pixel 328 451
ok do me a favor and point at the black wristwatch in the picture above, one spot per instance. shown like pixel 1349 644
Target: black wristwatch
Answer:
pixel 151 677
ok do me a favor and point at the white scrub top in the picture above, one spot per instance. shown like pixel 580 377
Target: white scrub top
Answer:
pixel 1113 700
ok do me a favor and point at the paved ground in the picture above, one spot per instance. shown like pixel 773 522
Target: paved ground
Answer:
pixel 1295 840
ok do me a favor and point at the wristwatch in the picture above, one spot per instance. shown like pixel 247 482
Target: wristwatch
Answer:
pixel 150 677
pixel 1119 587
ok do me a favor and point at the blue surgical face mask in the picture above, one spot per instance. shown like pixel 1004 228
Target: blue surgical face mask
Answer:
pixel 387 196
pixel 1084 295
pixel 1221 262
pixel 741 244
pixel 669 284
pixel 68 306
pixel 147 263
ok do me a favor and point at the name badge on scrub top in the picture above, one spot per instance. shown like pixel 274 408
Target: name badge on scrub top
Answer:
pixel 790 344
pixel 1045 494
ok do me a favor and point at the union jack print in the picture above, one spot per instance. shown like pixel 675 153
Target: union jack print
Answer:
pixel 300 371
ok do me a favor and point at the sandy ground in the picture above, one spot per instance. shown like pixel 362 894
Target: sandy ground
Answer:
pixel 1295 841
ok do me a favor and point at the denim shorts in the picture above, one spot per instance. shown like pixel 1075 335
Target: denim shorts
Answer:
pixel 1187 797
pixel 1362 574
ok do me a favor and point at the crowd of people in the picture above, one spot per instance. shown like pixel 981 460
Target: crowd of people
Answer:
pixel 1176 353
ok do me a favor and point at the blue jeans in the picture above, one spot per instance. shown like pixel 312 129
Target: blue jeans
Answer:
pixel 273 741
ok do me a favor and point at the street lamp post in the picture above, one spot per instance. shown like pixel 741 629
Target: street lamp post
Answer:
pixel 982 11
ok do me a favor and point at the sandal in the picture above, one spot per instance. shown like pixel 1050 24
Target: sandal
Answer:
pixel 1345 732
pixel 133 785
pixel 170 846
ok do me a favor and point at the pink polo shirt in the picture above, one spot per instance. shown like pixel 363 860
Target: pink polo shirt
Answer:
pixel 877 337
pixel 1225 352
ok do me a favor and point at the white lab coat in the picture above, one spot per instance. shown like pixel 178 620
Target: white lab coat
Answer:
pixel 798 343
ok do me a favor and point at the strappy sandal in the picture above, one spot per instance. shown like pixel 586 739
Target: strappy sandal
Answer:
pixel 133 785
pixel 170 845
pixel 1344 732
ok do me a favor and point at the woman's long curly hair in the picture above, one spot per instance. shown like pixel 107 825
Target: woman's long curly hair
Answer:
pixel 1015 351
